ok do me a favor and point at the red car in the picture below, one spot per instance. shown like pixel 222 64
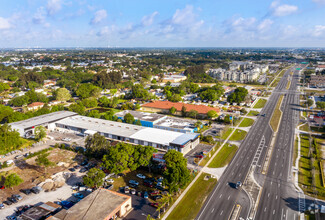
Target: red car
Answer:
pixel 2 187
pixel 148 184
pixel 156 192
pixel 199 156
pixel 155 205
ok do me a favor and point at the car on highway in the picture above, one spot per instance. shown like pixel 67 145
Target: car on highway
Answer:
pixel 263 115
pixel 238 184
pixel 134 182
pixel 141 176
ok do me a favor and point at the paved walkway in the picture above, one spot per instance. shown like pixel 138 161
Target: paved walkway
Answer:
pixel 214 171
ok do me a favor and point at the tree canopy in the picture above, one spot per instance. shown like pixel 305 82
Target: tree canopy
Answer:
pixel 9 139
pixel 40 133
pixel 94 178
pixel 238 95
pixel 62 94
pixel 13 180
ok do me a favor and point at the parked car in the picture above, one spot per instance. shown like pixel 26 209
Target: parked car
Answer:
pixel 18 197
pixel 133 191
pixel 155 192
pixel 149 184
pixel 18 156
pixel 75 187
pixel 2 206
pixel 2 187
pixel 36 189
pixel 72 169
pixel 78 195
pixel 154 204
pixel 84 163
pixel 110 181
pixel 145 195
pixel 120 175
pixel 110 186
pixel 7 202
pixel 82 170
pixel 134 182
pixel 160 179
pixel 26 191
pixel 157 197
pixel 126 189
pixel 200 156
pixel 12 199
pixel 141 176
pixel 133 186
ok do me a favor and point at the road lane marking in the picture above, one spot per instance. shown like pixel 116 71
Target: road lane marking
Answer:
pixel 273 211
pixel 221 212
pixel 228 197
pixel 220 196
pixel 212 210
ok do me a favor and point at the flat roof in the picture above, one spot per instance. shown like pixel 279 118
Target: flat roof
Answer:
pixel 177 123
pixel 42 119
pixel 181 140
pixel 143 116
pixel 153 135
pixel 98 205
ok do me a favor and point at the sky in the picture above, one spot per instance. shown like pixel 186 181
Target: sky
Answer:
pixel 162 23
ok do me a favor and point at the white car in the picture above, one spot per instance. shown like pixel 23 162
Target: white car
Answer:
pixel 141 176
pixel 110 181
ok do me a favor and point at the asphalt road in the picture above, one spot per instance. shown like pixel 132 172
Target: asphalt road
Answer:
pixel 224 197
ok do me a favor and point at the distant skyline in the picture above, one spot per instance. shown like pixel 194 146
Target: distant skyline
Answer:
pixel 143 23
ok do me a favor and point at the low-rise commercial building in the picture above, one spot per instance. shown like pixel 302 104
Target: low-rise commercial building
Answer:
pixel 101 204
pixel 164 106
pixel 164 122
pixel 40 212
pixel 69 121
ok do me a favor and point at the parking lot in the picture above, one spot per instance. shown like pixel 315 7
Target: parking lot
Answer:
pixel 190 156
pixel 63 193
pixel 67 137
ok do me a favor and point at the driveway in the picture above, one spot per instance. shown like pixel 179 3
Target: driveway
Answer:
pixel 141 209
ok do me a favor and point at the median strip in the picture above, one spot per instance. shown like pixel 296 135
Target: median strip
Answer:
pixel 277 114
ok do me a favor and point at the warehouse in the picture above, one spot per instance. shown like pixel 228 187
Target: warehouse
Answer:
pixel 162 139
pixel 154 120
pixel 26 127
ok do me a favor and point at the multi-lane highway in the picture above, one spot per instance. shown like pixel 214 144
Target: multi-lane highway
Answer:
pixel 277 189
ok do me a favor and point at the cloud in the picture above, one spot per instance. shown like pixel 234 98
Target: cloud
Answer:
pixel 53 6
pixel 282 10
pixel 319 1
pixel 4 23
pixel 184 16
pixel 98 17
pixel 319 30
pixel 265 25
pixel 147 20
pixel 40 17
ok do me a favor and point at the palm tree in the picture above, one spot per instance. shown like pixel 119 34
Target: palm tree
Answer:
pixel 160 205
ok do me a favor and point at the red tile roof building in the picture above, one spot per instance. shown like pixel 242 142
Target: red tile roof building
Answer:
pixel 166 105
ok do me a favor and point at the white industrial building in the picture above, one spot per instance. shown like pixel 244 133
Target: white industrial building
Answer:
pixel 69 121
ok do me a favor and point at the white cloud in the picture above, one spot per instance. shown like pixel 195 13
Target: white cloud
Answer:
pixel 319 1
pixel 40 17
pixel 4 23
pixel 184 16
pixel 264 25
pixel 319 30
pixel 99 16
pixel 282 10
pixel 53 6
pixel 148 19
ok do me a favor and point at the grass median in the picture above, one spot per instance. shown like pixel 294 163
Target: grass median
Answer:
pixel 238 135
pixel 226 133
pixel 275 120
pixel 288 85
pixel 191 203
pixel 252 113
pixel 260 103
pixel 224 156
pixel 247 122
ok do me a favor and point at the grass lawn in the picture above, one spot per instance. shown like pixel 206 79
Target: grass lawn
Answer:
pixel 252 113
pixel 275 120
pixel 225 134
pixel 260 103
pixel 224 156
pixel 275 82
pixel 238 135
pixel 304 127
pixel 246 122
pixel 193 200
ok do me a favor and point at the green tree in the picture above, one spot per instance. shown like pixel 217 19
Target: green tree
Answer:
pixel 310 102
pixel 96 146
pixel 175 98
pixel 212 114
pixel 128 118
pixel 198 125
pixel 40 133
pixel 19 101
pixel 138 122
pixel 238 95
pixel 320 104
pixel 78 108
pixel 62 94
pixel 87 90
pixel 192 113
pixel 184 110
pixel 43 161
pixel 9 139
pixel 13 180
pixel 176 174
pixel 172 110
pixel 90 102
pixel 94 178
